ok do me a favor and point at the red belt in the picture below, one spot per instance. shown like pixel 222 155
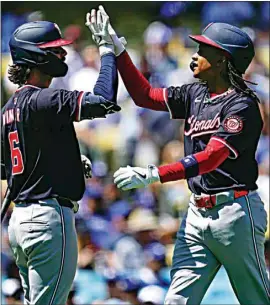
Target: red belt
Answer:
pixel 209 201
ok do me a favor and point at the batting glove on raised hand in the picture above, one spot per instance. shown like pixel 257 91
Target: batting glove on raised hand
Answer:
pixel 87 167
pixel 98 25
pixel 119 43
pixel 127 178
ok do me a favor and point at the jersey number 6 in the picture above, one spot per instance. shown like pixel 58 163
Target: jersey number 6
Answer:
pixel 16 155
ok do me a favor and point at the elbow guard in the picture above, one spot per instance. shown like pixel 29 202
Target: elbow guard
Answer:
pixel 95 106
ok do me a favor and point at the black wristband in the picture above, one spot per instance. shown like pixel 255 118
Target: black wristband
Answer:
pixel 191 166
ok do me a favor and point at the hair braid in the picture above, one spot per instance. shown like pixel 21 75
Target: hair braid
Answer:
pixel 239 83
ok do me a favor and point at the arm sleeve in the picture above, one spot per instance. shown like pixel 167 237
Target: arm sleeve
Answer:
pixel 240 127
pixel 200 163
pixel 138 87
pixel 107 82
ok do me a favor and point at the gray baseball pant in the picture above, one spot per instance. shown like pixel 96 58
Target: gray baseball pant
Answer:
pixel 44 242
pixel 231 234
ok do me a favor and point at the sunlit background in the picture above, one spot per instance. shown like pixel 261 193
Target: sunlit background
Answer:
pixel 125 239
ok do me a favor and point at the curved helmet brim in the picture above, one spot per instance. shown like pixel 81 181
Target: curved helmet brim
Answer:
pixel 208 41
pixel 55 43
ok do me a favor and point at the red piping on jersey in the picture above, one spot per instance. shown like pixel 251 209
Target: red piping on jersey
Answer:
pixel 138 87
pixel 79 106
pixel 208 160
pixel 232 149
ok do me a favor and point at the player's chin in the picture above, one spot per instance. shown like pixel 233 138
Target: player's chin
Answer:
pixel 196 73
pixel 201 74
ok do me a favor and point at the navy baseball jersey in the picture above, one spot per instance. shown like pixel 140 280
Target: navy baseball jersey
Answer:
pixel 231 118
pixel 37 127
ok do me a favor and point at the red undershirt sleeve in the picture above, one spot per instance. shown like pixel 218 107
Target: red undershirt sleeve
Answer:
pixel 138 87
pixel 208 160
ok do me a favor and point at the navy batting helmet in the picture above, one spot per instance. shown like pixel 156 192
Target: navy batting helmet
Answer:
pixel 230 39
pixel 28 45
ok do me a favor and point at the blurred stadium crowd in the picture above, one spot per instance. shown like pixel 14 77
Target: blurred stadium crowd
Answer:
pixel 125 240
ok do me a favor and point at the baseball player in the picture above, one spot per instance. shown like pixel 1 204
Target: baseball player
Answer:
pixel 41 159
pixel 226 220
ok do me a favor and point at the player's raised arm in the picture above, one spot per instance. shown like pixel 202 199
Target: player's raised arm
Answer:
pixel 103 100
pixel 138 87
pixel 107 83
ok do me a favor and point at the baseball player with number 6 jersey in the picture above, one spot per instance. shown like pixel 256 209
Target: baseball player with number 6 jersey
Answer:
pixel 226 220
pixel 41 159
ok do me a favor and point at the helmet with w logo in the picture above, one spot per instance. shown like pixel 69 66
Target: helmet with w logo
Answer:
pixel 29 46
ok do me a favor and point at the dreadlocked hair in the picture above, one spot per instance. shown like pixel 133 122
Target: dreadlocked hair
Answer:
pixel 239 83
pixel 18 74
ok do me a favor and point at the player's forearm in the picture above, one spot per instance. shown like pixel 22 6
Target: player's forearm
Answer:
pixel 193 165
pixel 103 101
pixel 138 87
pixel 107 82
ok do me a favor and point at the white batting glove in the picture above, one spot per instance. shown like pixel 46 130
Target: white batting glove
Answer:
pixel 98 25
pixel 87 167
pixel 127 178
pixel 119 43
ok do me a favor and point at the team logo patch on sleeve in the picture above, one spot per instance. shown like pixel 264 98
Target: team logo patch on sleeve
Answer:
pixel 233 124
